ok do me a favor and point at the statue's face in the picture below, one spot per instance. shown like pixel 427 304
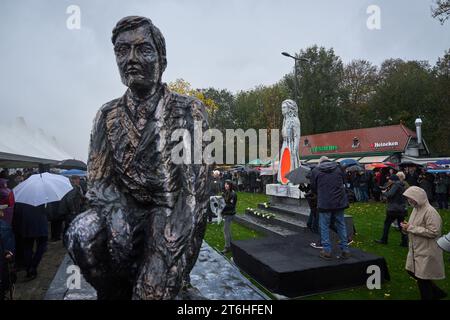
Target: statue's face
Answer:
pixel 137 58
pixel 284 109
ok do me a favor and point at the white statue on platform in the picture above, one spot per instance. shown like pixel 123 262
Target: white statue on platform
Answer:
pixel 289 156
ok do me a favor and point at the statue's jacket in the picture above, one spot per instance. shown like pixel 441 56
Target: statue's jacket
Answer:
pixel 145 210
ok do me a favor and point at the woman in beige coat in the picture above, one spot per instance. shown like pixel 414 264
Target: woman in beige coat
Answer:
pixel 425 260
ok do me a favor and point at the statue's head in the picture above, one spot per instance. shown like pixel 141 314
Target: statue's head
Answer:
pixel 140 51
pixel 289 108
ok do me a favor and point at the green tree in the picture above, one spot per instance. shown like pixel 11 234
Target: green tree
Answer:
pixel 406 91
pixel 183 87
pixel 359 83
pixel 260 108
pixel 439 136
pixel 223 117
pixel 320 89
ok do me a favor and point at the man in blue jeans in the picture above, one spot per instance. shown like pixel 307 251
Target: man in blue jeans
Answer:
pixel 328 182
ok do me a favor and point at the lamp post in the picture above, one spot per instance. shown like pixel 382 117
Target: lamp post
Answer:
pixel 296 85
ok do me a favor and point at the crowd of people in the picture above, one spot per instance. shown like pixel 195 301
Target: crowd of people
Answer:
pixel 365 185
pixel 328 198
pixel 362 185
pixel 248 179
pixel 24 229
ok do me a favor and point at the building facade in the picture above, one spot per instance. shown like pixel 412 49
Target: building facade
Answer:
pixel 393 143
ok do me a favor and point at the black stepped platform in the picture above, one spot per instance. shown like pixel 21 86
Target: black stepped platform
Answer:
pixel 263 225
pixel 286 220
pixel 294 222
pixel 300 213
pixel 291 267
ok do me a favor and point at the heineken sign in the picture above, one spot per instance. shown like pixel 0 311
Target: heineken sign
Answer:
pixel 323 149
pixel 384 144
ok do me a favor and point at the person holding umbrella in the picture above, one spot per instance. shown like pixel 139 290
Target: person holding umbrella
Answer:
pixel 34 198
pixel 396 208
pixel 31 223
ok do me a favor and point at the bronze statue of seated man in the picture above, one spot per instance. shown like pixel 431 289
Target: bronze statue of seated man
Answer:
pixel 143 231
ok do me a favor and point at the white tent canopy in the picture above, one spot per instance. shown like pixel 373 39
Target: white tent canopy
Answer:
pixel 21 140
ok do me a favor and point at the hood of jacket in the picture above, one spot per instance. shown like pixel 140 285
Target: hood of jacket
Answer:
pixel 417 194
pixel 328 166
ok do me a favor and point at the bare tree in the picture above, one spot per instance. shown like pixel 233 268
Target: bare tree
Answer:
pixel 441 10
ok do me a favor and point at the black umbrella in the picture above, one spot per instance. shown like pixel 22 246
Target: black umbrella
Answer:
pixel 299 175
pixel 409 164
pixel 72 164
pixel 355 168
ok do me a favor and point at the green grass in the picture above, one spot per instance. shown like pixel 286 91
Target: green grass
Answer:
pixel 214 232
pixel 251 200
pixel 368 219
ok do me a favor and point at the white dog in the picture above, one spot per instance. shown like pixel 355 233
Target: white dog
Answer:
pixel 217 204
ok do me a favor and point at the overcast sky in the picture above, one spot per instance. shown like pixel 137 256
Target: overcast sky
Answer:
pixel 57 78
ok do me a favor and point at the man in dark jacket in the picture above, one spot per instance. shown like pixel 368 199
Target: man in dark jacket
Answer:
pixel 363 180
pixel 311 198
pixel 56 221
pixel 71 204
pixel 412 176
pixel 252 175
pixel 426 182
pixel 31 223
pixel 442 183
pixel 328 182
pixel 396 208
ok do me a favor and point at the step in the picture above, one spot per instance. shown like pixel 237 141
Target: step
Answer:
pixel 299 212
pixel 290 221
pixel 265 227
pixel 293 218
pixel 289 209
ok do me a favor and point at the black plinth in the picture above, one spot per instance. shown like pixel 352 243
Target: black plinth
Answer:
pixel 291 267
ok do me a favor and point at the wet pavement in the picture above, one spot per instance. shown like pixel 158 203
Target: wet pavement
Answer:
pixel 213 277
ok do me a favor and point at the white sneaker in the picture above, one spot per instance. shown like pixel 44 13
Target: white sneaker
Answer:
pixel 316 245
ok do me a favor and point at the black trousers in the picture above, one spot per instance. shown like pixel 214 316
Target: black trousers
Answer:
pixel 32 259
pixel 56 229
pixel 391 216
pixel 428 289
pixel 442 200
pixel 19 258
pixel 210 214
